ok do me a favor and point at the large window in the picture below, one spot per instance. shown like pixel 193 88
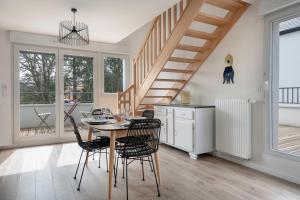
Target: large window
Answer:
pixel 284 115
pixel 49 84
pixel 114 70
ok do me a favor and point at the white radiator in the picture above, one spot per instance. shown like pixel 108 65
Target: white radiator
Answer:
pixel 233 127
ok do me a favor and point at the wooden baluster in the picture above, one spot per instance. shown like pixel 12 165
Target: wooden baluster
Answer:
pixel 155 41
pixel 164 27
pixel 175 14
pixel 142 64
pixel 138 72
pixel 169 21
pixel 180 8
pixel 141 70
pixel 134 74
pixel 148 56
pixel 159 33
pixel 151 49
pixel 144 61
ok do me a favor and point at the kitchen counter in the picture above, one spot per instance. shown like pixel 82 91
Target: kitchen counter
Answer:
pixel 187 105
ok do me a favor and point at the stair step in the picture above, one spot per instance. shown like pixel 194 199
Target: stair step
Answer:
pixel 191 48
pixel 163 96
pixel 200 34
pixel 183 60
pixel 227 5
pixel 175 89
pixel 178 71
pixel 210 19
pixel 171 80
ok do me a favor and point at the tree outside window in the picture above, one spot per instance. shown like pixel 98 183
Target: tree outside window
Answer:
pixel 113 74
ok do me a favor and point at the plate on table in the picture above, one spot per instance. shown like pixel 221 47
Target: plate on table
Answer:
pixel 134 118
pixel 92 121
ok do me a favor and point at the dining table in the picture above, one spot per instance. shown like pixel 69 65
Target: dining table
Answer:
pixel 114 130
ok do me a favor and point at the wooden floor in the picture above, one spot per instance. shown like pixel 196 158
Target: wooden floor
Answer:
pixel 46 172
pixel 289 140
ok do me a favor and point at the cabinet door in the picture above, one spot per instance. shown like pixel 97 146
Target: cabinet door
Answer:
pixel 184 132
pixel 170 126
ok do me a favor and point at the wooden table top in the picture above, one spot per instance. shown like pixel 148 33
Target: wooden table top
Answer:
pixel 112 125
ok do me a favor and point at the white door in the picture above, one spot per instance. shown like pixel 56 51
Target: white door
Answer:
pixel 35 93
pixel 77 92
pixel 170 125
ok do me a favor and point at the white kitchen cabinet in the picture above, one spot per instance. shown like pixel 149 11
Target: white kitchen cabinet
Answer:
pixel 187 127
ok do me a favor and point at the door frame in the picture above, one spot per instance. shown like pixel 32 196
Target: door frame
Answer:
pixel 272 79
pixel 16 95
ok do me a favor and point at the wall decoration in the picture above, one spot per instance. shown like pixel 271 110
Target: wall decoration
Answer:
pixel 228 73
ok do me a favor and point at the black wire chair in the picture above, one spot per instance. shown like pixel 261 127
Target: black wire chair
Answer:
pixel 141 142
pixel 94 146
pixel 149 114
pixel 106 112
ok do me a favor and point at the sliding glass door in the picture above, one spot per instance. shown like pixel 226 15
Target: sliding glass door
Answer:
pixel 78 87
pixel 285 93
pixel 48 85
pixel 35 103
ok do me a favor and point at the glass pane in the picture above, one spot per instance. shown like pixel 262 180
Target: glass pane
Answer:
pixel 78 89
pixel 113 74
pixel 37 93
pixel 288 138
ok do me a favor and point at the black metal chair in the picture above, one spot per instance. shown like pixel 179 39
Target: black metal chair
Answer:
pixel 141 142
pixel 99 134
pixel 94 146
pixel 149 114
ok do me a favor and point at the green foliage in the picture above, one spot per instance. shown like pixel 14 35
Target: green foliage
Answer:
pixel 113 74
pixel 37 78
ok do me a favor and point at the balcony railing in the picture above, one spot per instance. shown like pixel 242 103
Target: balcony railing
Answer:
pixel 49 97
pixel 289 95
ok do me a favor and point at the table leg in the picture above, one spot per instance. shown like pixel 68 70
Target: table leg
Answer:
pixel 111 162
pixel 156 157
pixel 90 133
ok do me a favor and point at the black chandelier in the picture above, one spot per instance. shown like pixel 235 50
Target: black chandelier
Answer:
pixel 73 32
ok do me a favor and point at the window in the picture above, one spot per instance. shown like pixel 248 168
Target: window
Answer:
pixel 114 72
pixel 284 83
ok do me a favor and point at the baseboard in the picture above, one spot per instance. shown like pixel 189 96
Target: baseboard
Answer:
pixel 39 143
pixel 258 167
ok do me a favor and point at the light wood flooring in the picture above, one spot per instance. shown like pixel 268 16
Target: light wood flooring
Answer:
pixel 46 173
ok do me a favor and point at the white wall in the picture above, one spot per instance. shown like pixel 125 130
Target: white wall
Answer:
pixel 267 6
pixel 5 89
pixel 289 60
pixel 246 43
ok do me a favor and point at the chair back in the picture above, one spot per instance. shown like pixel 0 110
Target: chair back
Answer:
pixel 101 111
pixel 144 131
pixel 76 132
pixel 149 114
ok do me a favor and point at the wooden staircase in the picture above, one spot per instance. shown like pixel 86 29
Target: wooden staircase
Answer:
pixel 170 54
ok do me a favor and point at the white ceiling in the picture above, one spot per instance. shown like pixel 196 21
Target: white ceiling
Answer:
pixel 108 20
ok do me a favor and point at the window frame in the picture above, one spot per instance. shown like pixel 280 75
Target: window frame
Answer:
pixel 126 73
pixel 272 76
